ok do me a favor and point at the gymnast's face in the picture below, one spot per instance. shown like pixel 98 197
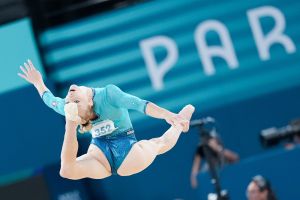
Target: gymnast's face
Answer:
pixel 78 95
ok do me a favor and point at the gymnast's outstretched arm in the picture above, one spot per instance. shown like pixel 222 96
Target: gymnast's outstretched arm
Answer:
pixel 118 98
pixel 33 76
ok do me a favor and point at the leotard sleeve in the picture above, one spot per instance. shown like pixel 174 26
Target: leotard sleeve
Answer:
pixel 116 97
pixel 56 103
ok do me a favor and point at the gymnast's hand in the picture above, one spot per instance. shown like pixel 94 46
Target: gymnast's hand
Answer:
pixel 30 74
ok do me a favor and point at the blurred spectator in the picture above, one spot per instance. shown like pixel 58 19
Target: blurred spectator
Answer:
pixel 216 152
pixel 260 189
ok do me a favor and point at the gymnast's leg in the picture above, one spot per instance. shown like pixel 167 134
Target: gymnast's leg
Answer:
pixel 143 153
pixel 93 164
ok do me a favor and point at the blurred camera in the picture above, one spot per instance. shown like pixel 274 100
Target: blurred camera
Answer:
pixel 273 136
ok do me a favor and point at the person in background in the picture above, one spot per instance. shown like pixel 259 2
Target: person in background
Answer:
pixel 260 189
pixel 218 155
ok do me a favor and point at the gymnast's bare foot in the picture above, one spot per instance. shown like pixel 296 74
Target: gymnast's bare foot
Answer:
pixel 186 113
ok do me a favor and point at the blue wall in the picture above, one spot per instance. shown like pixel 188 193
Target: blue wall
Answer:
pixel 17 45
pixel 106 48
pixel 31 134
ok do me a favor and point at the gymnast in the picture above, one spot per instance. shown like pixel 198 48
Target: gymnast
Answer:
pixel 103 112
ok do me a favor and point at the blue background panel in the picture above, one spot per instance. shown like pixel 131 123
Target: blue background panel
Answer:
pixel 17 44
pixel 31 135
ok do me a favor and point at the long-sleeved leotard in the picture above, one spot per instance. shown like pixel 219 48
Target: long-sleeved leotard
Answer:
pixel 110 103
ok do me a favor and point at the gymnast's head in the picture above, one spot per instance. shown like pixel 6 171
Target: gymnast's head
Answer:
pixel 79 96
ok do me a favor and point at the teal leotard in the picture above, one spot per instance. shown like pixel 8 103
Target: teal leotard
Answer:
pixel 110 103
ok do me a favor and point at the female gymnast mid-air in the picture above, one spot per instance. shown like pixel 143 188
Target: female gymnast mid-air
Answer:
pixel 103 112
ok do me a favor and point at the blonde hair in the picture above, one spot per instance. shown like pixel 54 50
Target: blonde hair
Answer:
pixel 71 113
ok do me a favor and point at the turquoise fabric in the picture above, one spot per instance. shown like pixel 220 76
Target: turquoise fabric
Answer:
pixel 56 103
pixel 110 102
pixel 115 148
